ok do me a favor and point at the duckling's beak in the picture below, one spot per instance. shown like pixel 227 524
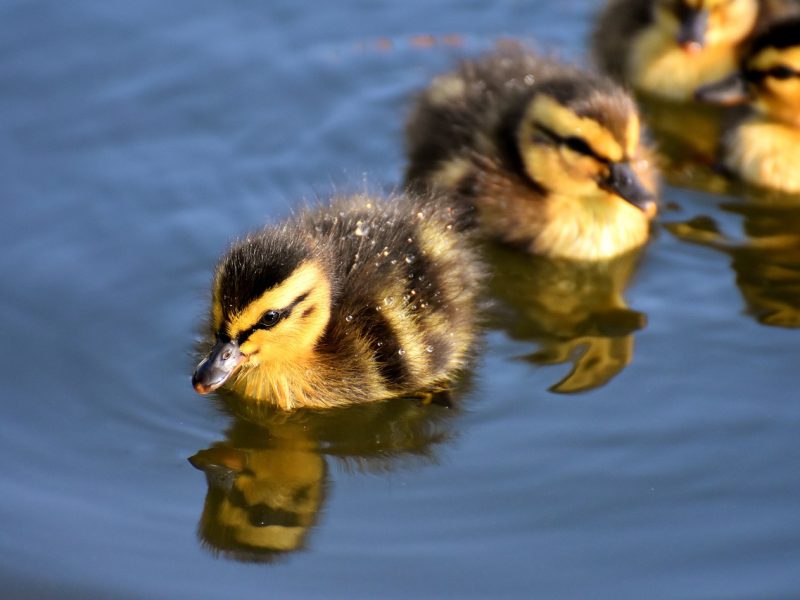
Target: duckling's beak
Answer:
pixel 623 182
pixel 217 367
pixel 731 90
pixel 221 466
pixel 692 33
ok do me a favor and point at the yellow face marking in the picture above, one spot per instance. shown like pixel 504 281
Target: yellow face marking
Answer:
pixel 774 57
pixel 291 341
pixel 303 280
pixel 778 98
pixel 546 111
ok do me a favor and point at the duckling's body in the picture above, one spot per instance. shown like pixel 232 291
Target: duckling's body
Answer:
pixel 668 48
pixel 360 301
pixel 763 147
pixel 545 152
pixel 764 153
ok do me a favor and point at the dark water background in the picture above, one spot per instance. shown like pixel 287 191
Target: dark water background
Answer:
pixel 137 139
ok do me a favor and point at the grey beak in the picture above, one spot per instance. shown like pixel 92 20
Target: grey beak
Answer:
pixel 217 367
pixel 622 180
pixel 731 90
pixel 692 34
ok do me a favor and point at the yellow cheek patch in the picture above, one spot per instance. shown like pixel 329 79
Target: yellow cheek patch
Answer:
pixel 305 278
pixel 257 339
pixel 565 123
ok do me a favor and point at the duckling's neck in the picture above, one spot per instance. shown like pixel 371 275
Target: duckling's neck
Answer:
pixel 286 384
pixel 766 153
pixel 660 67
pixel 320 379
pixel 590 228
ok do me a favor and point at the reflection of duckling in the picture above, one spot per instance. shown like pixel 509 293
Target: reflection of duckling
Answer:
pixel 575 311
pixel 764 148
pixel 549 154
pixel 267 482
pixel 766 264
pixel 668 48
pixel 261 502
pixel 356 302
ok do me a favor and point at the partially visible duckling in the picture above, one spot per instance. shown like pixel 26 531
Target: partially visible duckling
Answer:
pixel 550 155
pixel 763 148
pixel 356 302
pixel 668 48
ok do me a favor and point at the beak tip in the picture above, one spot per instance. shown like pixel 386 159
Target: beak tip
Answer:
pixel 691 47
pixel 650 208
pixel 201 389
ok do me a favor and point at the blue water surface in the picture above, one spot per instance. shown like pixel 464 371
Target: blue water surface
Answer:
pixel 137 139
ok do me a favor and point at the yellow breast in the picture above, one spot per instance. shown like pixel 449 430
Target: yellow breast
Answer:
pixel 659 67
pixel 598 229
pixel 765 153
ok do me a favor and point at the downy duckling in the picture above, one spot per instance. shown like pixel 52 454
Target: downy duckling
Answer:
pixel 358 301
pixel 763 148
pixel 668 48
pixel 549 154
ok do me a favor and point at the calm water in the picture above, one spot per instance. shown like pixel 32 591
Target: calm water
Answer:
pixel 608 444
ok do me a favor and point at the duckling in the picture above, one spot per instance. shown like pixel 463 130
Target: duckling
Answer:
pixel 358 301
pixel 763 148
pixel 668 48
pixel 548 154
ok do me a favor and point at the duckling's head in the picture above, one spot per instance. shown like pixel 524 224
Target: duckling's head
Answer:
pixel 579 137
pixel 271 303
pixel 696 24
pixel 769 76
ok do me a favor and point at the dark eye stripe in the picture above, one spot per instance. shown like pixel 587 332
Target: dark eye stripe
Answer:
pixel 270 318
pixel 780 72
pixel 572 142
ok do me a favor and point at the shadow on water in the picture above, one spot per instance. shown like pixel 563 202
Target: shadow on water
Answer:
pixel 765 252
pixel 268 479
pixel 574 312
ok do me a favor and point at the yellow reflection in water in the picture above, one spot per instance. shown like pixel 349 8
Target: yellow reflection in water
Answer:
pixel 574 312
pixel 268 479
pixel 765 258
pixel 687 134
pixel 765 252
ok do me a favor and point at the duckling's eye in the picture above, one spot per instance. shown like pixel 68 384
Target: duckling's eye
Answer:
pixel 578 145
pixel 782 72
pixel 270 319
